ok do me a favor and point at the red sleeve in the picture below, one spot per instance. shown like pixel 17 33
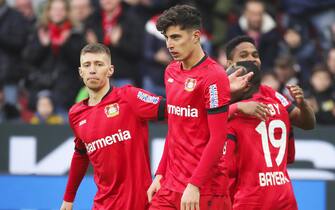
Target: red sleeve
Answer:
pixel 146 105
pixel 268 91
pixel 217 90
pixel 163 162
pixel 230 159
pixel 77 172
pixel 217 97
pixel 213 150
pixel 291 148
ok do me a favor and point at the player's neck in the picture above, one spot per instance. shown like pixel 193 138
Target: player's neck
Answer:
pixel 194 58
pixel 96 96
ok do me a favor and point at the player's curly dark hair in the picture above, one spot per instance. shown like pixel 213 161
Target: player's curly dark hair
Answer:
pixel 185 16
pixel 231 45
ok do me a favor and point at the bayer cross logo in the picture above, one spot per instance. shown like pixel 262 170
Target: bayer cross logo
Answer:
pixel 190 84
pixel 112 110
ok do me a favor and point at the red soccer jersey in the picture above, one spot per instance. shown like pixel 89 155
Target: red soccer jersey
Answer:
pixel 113 135
pixel 191 96
pixel 269 92
pixel 260 147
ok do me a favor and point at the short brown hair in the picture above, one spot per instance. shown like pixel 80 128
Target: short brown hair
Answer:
pixel 96 48
pixel 185 16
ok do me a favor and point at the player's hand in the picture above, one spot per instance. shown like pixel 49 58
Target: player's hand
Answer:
pixel 237 82
pixel 191 198
pixel 154 187
pixel 256 109
pixel 44 36
pixel 297 93
pixel 66 206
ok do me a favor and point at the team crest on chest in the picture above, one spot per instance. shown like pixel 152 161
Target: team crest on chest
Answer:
pixel 112 110
pixel 190 84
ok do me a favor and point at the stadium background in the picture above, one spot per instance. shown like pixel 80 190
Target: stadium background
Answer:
pixel 34 159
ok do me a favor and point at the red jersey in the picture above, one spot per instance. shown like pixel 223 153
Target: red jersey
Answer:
pixel 191 96
pixel 261 147
pixel 113 135
pixel 269 92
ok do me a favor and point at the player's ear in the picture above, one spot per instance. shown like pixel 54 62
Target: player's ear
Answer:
pixel 196 36
pixel 80 72
pixel 110 71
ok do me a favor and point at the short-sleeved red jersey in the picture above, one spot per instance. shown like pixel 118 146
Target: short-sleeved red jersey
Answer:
pixel 191 94
pixel 114 136
pixel 261 149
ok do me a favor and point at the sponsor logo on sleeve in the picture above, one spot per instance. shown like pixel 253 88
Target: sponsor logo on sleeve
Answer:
pixel 147 98
pixel 282 99
pixel 190 84
pixel 112 110
pixel 213 96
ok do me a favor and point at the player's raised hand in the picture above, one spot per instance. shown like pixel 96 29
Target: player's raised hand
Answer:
pixel 297 93
pixel 154 187
pixel 191 198
pixel 66 206
pixel 256 109
pixel 237 82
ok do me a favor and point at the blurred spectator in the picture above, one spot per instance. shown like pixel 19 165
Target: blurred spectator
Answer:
pixel 286 71
pixel 25 7
pixel 301 49
pixel 270 79
pixel 53 55
pixel 260 26
pixel 321 95
pixel 120 29
pixel 331 61
pixel 222 57
pixel 13 36
pixel 321 14
pixel 221 16
pixel 45 113
pixel 156 58
pixel 80 10
pixel 8 112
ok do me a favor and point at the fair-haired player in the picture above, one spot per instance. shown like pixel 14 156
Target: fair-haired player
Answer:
pixel 111 133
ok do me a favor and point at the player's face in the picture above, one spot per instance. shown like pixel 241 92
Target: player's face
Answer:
pixel 245 51
pixel 95 70
pixel 181 43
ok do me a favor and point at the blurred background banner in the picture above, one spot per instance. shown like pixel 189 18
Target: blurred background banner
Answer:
pixel 34 161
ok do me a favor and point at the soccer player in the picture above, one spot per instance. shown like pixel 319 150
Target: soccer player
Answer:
pixel 261 152
pixel 198 95
pixel 242 48
pixel 111 132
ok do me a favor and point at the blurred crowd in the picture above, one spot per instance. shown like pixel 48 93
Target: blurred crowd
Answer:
pixel 40 43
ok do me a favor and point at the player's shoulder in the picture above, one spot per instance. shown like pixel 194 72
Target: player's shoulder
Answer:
pixel 264 89
pixel 77 107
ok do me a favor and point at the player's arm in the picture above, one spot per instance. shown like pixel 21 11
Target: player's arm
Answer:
pixel 78 168
pixel 251 108
pixel 216 98
pixel 302 115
